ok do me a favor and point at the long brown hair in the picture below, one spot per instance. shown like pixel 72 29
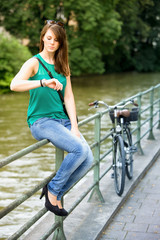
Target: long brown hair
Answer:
pixel 61 55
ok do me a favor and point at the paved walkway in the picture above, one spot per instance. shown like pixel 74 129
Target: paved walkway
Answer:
pixel 139 217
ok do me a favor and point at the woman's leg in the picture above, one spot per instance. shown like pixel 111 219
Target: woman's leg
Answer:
pixel 61 137
pixel 80 171
pixel 77 174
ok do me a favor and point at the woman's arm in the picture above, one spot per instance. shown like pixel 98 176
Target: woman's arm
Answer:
pixel 71 107
pixel 20 82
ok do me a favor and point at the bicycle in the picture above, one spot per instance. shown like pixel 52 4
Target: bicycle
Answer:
pixel 123 148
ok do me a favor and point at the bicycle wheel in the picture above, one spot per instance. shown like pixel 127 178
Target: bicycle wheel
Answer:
pixel 128 152
pixel 119 165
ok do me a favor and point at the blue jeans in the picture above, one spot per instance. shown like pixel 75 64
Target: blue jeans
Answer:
pixel 78 160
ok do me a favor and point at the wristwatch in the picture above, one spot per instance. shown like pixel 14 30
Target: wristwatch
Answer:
pixel 42 83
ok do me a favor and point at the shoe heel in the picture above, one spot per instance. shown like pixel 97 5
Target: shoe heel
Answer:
pixel 42 194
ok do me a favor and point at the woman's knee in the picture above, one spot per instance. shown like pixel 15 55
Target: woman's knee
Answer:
pixel 90 157
pixel 82 150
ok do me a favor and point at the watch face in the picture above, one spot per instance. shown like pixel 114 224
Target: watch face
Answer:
pixel 43 83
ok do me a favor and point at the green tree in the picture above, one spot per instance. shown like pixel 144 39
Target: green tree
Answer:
pixel 98 26
pixel 12 56
pixel 92 26
pixel 138 46
pixel 147 58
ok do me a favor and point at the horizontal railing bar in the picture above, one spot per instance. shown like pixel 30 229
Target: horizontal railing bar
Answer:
pixel 139 94
pixel 154 114
pixel 23 152
pixel 148 107
pixel 145 121
pixel 156 101
pixel 134 130
pixel 94 145
pixel 121 103
pixel 147 91
pixel 155 123
pixel 82 196
pixel 89 119
pixel 145 133
pixel 105 172
pixel 145 109
pixel 133 97
pixel 105 154
pixel 93 165
pixel 24 196
pixel 106 136
pixel 27 225
pixel 142 136
pixel 50 231
pixel 130 98
pixel 157 86
pixel 157 111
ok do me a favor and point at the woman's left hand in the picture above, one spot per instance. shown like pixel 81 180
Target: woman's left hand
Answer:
pixel 53 83
pixel 75 131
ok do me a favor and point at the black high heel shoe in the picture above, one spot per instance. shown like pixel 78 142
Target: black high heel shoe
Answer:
pixel 63 212
pixel 49 206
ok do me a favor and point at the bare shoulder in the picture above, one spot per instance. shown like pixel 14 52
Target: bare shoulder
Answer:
pixel 31 65
pixel 32 62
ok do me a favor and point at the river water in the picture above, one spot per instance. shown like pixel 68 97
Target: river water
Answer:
pixel 15 135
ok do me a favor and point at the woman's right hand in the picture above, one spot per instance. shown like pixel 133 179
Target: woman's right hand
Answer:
pixel 53 83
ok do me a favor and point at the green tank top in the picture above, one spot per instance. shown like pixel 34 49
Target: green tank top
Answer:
pixel 44 101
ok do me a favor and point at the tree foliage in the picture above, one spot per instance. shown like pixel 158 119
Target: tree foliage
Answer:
pixel 92 27
pixel 112 35
pixel 138 46
pixel 12 56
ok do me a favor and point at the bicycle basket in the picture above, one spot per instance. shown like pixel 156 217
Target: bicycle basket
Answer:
pixel 133 116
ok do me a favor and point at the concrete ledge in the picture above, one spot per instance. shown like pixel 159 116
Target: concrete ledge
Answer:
pixel 89 219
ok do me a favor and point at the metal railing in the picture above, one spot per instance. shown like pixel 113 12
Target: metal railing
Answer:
pixel 149 117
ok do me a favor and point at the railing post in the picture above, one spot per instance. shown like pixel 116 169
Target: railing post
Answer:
pixel 151 136
pixel 96 193
pixel 158 127
pixel 59 232
pixel 139 126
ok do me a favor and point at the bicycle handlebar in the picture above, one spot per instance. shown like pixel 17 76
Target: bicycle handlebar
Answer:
pixel 93 103
pixel 96 103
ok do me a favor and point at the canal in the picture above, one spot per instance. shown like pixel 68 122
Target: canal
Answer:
pixel 24 173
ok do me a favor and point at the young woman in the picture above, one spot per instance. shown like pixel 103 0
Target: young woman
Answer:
pixel 46 117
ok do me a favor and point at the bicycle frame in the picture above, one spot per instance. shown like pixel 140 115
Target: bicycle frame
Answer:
pixel 121 133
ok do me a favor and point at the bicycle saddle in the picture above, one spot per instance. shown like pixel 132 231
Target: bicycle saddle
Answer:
pixel 123 113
